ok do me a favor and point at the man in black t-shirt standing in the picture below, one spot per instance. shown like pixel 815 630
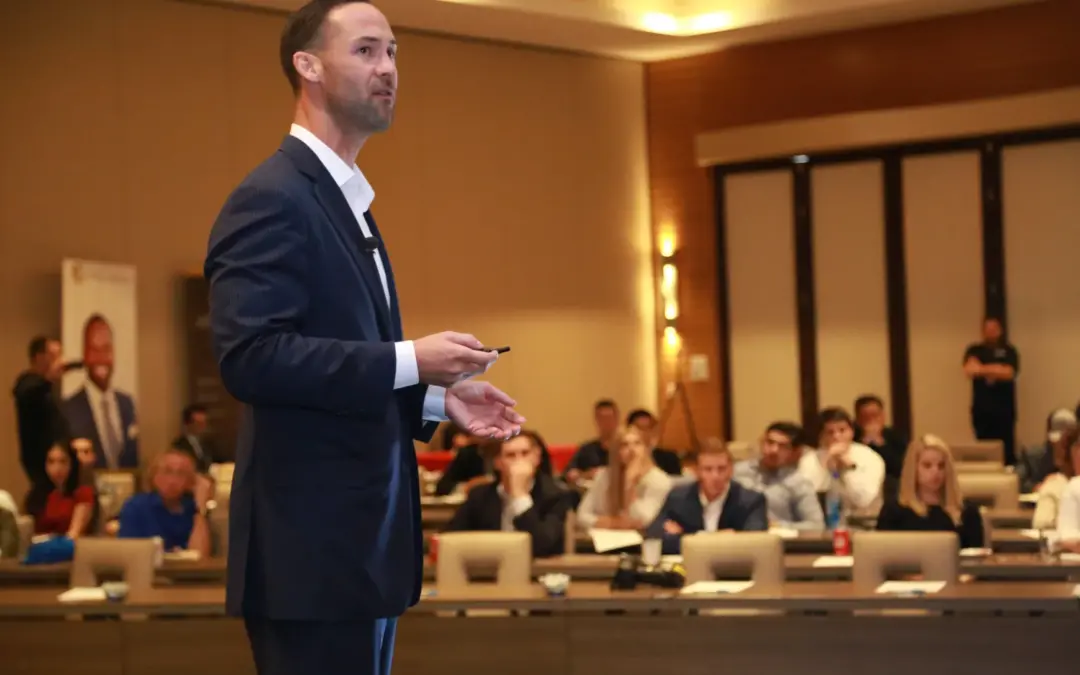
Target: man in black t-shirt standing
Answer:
pixel 993 366
pixel 37 412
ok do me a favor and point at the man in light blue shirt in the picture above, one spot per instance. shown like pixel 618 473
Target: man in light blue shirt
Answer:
pixel 791 499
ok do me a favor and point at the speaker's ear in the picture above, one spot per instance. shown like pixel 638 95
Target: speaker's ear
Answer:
pixel 309 66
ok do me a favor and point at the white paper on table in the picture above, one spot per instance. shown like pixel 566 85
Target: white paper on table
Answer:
pixel 1076 590
pixel 82 594
pixel 716 587
pixel 671 560
pixel 1030 534
pixel 1069 557
pixel 784 532
pixel 182 555
pixel 1029 498
pixel 834 561
pixel 975 552
pixel 611 540
pixel 911 587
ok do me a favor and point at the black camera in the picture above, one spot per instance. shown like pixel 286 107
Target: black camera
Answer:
pixel 632 571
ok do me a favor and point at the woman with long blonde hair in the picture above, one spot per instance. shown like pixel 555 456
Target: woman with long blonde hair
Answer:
pixel 629 492
pixel 929 497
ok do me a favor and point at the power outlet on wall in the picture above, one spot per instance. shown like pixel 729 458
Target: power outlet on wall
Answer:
pixel 698 368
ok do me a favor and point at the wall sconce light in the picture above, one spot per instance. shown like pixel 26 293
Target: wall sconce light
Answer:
pixel 669 290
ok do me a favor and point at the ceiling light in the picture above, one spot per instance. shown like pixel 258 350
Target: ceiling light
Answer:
pixel 659 22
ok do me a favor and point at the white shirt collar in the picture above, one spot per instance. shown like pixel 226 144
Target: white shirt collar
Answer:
pixel 96 395
pixel 348 178
pixel 705 503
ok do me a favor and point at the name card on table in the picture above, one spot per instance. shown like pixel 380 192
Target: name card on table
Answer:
pixel 612 540
pixel 82 595
pixel 784 532
pixel 834 561
pixel 911 587
pixel 716 587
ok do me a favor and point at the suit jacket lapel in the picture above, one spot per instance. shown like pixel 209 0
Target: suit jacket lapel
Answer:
pixel 395 310
pixel 694 513
pixel 331 198
pixel 731 507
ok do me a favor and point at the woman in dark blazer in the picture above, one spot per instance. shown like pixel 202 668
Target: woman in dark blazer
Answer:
pixel 929 496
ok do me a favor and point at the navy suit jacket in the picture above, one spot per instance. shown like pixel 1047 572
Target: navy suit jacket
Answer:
pixel 324 519
pixel 80 421
pixel 745 510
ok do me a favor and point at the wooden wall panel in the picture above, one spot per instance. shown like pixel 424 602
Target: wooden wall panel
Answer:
pixel 994 53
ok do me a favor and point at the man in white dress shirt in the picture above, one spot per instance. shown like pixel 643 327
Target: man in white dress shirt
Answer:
pixel 852 471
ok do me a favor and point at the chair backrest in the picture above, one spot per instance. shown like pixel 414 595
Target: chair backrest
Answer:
pixel 999 490
pixel 936 554
pixel 570 532
pixel 509 552
pixel 979 451
pixel 114 487
pixel 740 450
pixel 979 467
pixel 704 553
pixel 133 558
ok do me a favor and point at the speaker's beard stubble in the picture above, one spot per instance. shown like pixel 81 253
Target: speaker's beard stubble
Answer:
pixel 364 116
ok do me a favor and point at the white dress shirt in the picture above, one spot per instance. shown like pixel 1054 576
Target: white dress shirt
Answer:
pixel 710 511
pixel 359 194
pixel 1068 515
pixel 859 487
pixel 512 508
pixel 99 400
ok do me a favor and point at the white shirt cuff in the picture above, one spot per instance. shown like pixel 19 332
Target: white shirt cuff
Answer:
pixel 435 404
pixel 520 505
pixel 406 372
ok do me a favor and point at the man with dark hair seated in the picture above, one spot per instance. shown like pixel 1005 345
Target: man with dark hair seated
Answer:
pixel 712 503
pixel 666 460
pixel 872 431
pixel 522 499
pixel 791 499
pixel 592 455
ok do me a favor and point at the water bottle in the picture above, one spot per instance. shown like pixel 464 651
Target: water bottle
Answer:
pixel 834 505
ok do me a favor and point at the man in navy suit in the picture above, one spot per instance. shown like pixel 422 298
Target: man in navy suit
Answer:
pixel 712 503
pixel 99 413
pixel 325 546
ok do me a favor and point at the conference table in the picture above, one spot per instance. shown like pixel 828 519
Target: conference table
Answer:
pixel 799 567
pixel 810 628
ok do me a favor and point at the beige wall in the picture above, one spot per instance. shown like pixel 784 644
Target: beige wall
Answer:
pixel 943 242
pixel 849 283
pixel 1041 204
pixel 512 192
pixel 762 310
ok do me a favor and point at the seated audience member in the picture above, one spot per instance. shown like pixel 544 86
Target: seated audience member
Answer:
pixel 473 464
pixel 194 438
pixel 1052 490
pixel 469 466
pixel 666 460
pixel 850 470
pixel 593 454
pixel 66 506
pixel 712 503
pixel 1068 518
pixel 525 499
pixel 929 497
pixel 175 509
pixel 791 499
pixel 627 493
pixel 1038 462
pixel 871 431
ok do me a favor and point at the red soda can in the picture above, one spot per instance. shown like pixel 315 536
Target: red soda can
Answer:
pixel 841 541
pixel 433 548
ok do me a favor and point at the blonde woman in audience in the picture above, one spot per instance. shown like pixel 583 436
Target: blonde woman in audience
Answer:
pixel 852 471
pixel 1068 513
pixel 627 493
pixel 1050 493
pixel 929 496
